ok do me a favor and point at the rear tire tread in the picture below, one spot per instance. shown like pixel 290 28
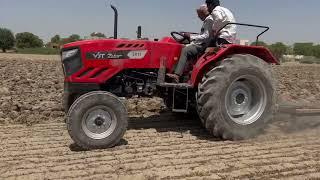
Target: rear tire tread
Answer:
pixel 208 94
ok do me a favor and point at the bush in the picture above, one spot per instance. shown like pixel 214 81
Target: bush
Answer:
pixel 44 51
pixel 278 49
pixel 6 39
pixel 310 60
pixel 28 40
pixel 70 39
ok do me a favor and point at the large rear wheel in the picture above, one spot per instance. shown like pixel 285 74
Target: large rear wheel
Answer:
pixel 236 99
pixel 97 120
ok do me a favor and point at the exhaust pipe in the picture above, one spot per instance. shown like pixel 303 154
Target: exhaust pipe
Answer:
pixel 139 32
pixel 115 36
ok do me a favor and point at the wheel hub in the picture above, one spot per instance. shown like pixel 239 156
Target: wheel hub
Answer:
pixel 246 100
pixel 240 98
pixel 99 122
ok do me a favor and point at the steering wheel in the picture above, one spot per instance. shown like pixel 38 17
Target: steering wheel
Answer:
pixel 180 38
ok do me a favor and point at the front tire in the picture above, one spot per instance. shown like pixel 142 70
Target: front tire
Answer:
pixel 236 100
pixel 97 120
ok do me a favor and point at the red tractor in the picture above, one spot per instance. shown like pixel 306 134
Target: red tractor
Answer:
pixel 230 86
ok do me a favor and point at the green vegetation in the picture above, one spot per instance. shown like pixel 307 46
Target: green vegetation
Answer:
pixel 70 39
pixel 310 51
pixel 278 49
pixel 260 43
pixel 56 39
pixel 7 39
pixel 303 49
pixel 28 43
pixel 44 51
pixel 28 40
pixel 98 35
pixel 310 60
pixel 307 49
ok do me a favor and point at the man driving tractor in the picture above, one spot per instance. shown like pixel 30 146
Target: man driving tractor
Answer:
pixel 214 17
pixel 234 98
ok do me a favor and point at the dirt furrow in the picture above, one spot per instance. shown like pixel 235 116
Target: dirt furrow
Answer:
pixel 171 146
pixel 134 137
pixel 189 158
pixel 154 147
pixel 234 169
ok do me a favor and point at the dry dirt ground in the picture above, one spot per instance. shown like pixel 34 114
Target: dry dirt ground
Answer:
pixel 34 143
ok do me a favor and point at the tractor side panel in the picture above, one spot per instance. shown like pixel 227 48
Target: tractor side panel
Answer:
pixel 101 60
pixel 208 59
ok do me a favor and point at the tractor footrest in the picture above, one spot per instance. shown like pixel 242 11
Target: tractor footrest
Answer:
pixel 177 86
pixel 180 110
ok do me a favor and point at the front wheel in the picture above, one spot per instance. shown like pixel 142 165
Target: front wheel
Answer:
pixel 97 120
pixel 236 100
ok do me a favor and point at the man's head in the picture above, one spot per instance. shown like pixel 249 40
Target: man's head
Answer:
pixel 203 12
pixel 212 4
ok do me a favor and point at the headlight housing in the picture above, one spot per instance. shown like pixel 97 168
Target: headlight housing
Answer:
pixel 69 53
pixel 71 60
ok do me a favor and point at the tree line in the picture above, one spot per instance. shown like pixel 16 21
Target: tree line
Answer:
pixel 28 40
pixel 306 49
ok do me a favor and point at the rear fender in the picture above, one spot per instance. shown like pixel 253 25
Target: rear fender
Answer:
pixel 214 55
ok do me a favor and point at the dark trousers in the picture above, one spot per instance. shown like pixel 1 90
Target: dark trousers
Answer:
pixel 191 51
pixel 188 52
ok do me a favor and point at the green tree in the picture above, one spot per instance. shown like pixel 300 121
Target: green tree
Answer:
pixel 278 49
pixel 290 50
pixel 98 34
pixel 56 39
pixel 74 38
pixel 70 39
pixel 316 51
pixel 303 49
pixel 6 39
pixel 260 43
pixel 28 40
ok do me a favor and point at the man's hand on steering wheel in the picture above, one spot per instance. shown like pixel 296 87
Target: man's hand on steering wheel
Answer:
pixel 181 37
pixel 187 36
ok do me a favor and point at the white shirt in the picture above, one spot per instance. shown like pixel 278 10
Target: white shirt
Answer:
pixel 204 38
pixel 221 16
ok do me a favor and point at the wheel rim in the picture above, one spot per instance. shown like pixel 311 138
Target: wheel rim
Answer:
pixel 246 100
pixel 99 122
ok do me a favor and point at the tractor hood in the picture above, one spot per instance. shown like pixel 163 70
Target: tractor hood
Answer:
pixel 109 42
pixel 89 42
pixel 106 57
pixel 123 49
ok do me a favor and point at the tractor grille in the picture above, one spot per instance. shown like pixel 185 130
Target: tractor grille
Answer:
pixel 92 72
pixel 72 64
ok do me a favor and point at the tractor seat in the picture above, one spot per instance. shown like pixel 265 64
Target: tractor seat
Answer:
pixel 210 49
pixel 218 43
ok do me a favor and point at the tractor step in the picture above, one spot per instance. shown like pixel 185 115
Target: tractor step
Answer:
pixel 177 86
pixel 179 110
pixel 179 90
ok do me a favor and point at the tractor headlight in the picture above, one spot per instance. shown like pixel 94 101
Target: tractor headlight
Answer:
pixel 69 53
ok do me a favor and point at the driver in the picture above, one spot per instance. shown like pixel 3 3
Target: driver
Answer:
pixel 198 43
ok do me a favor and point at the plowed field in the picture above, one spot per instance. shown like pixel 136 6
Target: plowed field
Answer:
pixel 34 143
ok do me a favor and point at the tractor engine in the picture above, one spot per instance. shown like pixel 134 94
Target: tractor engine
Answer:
pixel 132 82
